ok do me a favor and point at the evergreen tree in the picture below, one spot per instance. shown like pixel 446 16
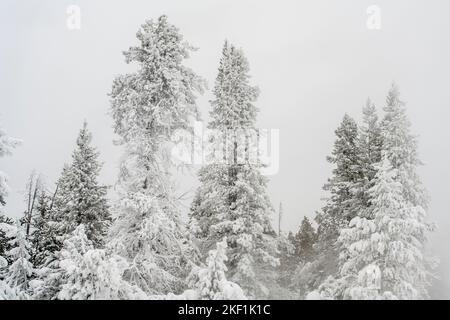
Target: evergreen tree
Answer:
pixel 211 283
pixel 370 140
pixel 5 246
pixel 343 202
pixel 92 274
pixel 7 144
pixel 370 144
pixel 80 198
pixel 400 147
pixel 383 247
pixel 20 271
pixel 147 107
pixel 6 293
pixel 384 256
pixel 304 241
pixel 285 271
pixel 43 238
pixel 232 200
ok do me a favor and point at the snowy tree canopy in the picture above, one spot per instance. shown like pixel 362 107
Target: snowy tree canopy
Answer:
pixel 7 144
pixel 400 146
pixel 20 271
pixel 232 200
pixel 93 274
pixel 304 240
pixel 383 248
pixel 384 256
pixel 147 106
pixel 80 199
pixel 210 282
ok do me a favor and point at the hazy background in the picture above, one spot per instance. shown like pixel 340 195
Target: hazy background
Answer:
pixel 313 61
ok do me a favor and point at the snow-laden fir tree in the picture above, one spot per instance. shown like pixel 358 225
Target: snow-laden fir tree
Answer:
pixel 232 200
pixel 210 282
pixel 80 199
pixel 92 274
pixel 5 246
pixel 400 146
pixel 305 276
pixel 6 224
pixel 19 272
pixel 343 202
pixel 43 237
pixel 7 144
pixel 383 254
pixel 147 107
pixel 370 142
pixel 286 268
pixel 304 241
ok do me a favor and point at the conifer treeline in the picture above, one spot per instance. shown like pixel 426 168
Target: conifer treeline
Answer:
pixel 72 244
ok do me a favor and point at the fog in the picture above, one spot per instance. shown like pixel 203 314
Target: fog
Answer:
pixel 313 61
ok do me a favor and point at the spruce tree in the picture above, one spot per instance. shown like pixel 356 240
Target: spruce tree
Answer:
pixel 43 237
pixel 370 143
pixel 304 241
pixel 147 106
pixel 80 199
pixel 383 254
pixel 20 271
pixel 232 200
pixel 92 274
pixel 5 246
pixel 343 203
pixel 7 144
pixel 210 282
pixel 400 147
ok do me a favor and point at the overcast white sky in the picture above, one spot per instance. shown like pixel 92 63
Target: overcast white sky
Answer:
pixel 313 61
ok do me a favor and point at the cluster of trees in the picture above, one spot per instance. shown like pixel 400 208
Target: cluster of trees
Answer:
pixel 372 231
pixel 72 244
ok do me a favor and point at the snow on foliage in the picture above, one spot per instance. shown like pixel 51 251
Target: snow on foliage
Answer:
pixel 86 273
pixel 147 106
pixel 383 254
pixel 20 271
pixel 7 144
pixel 209 282
pixel 80 199
pixel 232 200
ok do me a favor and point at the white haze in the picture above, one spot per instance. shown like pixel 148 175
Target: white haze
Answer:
pixel 313 61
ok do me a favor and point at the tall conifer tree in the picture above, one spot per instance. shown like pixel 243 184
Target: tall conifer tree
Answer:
pixel 232 200
pixel 147 106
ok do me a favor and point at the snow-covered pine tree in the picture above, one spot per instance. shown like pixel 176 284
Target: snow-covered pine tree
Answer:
pixel 383 248
pixel 210 282
pixel 370 142
pixel 20 271
pixel 147 106
pixel 80 198
pixel 92 274
pixel 43 237
pixel 55 273
pixel 384 254
pixel 232 200
pixel 400 146
pixel 343 203
pixel 7 144
pixel 286 268
pixel 304 241
pixel 5 246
